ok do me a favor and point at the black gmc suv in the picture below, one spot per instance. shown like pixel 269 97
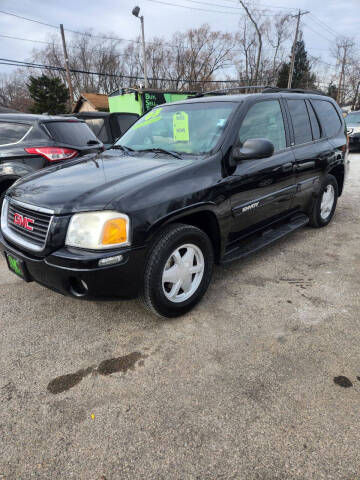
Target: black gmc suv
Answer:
pixel 205 180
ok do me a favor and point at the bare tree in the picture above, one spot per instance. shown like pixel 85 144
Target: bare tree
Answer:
pixel 258 28
pixel 13 91
pixel 277 35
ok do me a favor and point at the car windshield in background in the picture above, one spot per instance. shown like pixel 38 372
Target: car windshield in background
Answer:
pixel 353 118
pixel 185 128
pixel 71 132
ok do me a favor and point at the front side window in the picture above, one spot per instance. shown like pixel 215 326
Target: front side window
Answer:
pixel 328 116
pixel 264 120
pixel 12 132
pixel 300 120
pixel 193 128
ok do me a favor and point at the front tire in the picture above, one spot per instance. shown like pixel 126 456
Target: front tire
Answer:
pixel 325 204
pixel 178 271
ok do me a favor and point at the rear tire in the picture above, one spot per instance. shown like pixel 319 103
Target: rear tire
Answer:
pixel 325 204
pixel 177 271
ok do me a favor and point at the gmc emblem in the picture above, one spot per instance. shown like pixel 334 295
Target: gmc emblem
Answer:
pixel 23 222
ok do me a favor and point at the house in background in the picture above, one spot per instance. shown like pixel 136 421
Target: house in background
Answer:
pixel 91 102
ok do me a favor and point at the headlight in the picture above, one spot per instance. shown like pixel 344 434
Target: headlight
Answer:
pixel 98 230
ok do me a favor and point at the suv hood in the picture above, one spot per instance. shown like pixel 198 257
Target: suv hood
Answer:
pixel 92 182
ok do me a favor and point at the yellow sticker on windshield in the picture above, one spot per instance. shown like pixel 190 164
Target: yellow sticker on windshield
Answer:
pixel 151 117
pixel 181 127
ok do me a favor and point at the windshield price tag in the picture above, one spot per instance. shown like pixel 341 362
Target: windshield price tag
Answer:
pixel 181 127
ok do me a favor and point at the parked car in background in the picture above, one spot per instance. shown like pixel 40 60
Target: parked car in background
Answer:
pixel 353 129
pixel 108 127
pixel 31 142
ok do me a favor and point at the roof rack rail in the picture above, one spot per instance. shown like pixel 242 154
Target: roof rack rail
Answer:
pixel 220 90
pixel 290 90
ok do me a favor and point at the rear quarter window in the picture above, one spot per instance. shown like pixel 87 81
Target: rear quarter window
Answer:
pixel 300 120
pixel 72 133
pixel 328 116
pixel 12 132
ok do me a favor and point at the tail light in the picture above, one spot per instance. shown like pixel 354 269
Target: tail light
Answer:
pixel 53 154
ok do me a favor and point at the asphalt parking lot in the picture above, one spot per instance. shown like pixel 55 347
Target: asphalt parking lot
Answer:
pixel 260 381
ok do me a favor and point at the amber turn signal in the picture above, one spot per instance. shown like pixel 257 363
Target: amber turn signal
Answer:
pixel 114 232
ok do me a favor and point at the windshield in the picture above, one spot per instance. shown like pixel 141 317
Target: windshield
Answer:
pixel 192 128
pixel 353 118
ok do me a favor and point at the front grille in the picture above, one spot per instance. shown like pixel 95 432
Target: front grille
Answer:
pixel 40 224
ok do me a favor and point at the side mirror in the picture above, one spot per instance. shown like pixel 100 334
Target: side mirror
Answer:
pixel 252 149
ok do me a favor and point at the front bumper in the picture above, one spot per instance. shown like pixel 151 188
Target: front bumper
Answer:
pixel 76 272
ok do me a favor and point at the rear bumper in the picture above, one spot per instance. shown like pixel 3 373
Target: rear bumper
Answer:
pixel 76 273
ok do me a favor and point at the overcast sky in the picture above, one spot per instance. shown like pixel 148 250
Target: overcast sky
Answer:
pixel 341 16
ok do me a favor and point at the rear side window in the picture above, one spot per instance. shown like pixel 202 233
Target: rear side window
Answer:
pixel 98 126
pixel 72 133
pixel 12 132
pixel 300 120
pixel 314 122
pixel 328 116
pixel 264 120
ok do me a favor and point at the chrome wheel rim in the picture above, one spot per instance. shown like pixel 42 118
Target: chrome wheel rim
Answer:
pixel 183 272
pixel 327 202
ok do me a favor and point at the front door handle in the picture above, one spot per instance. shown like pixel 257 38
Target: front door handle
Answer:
pixel 287 167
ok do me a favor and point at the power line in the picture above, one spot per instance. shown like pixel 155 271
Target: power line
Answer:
pixel 331 30
pixel 29 19
pixel 206 9
pixel 96 36
pixel 21 63
pixel 317 33
pixel 25 39
pixel 69 30
pixel 59 45
pixel 318 24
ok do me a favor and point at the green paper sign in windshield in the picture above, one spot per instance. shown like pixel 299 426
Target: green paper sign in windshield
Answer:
pixel 181 127
pixel 151 117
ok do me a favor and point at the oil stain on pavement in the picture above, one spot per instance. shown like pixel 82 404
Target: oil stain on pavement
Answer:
pixel 106 367
pixel 343 381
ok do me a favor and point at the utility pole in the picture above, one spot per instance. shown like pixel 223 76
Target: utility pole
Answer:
pixel 135 12
pixel 342 72
pixel 292 63
pixel 67 69
pixel 144 50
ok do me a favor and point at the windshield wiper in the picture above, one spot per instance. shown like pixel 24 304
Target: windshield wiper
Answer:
pixel 122 147
pixel 161 150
